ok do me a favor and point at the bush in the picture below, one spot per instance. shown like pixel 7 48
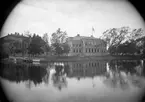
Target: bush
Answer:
pixel 3 55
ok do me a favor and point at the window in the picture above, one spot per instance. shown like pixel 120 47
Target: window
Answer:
pixel 73 45
pixel 95 43
pixel 73 50
pixel 89 64
pixel 92 43
pixel 92 49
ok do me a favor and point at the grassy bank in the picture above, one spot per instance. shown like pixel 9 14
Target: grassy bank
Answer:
pixel 77 58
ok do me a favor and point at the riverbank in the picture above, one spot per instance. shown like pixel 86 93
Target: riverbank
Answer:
pixel 71 58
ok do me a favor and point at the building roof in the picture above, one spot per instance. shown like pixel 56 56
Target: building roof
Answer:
pixel 13 37
pixel 78 37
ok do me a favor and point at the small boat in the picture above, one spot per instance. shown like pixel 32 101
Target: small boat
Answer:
pixel 36 63
pixel 27 60
pixel 36 60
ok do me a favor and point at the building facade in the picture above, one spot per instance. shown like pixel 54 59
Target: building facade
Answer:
pixel 86 46
pixel 16 41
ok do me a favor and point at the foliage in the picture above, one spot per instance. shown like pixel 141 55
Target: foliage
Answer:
pixel 124 40
pixel 58 43
pixel 66 48
pixel 46 48
pixel 57 49
pixel 60 49
pixel 3 53
pixel 115 36
pixel 35 45
pixel 59 36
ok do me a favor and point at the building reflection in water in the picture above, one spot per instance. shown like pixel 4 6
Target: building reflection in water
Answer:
pixel 87 69
pixel 115 73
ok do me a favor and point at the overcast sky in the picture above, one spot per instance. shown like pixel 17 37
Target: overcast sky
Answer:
pixel 72 16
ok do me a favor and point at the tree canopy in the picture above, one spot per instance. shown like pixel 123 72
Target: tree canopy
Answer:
pixel 35 45
pixel 124 40
pixel 46 47
pixel 58 42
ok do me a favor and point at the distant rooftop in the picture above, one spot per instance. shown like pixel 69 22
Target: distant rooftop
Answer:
pixel 79 37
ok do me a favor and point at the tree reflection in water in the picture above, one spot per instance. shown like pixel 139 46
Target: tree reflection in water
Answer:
pixel 116 74
pixel 23 72
pixel 59 77
pixel 122 73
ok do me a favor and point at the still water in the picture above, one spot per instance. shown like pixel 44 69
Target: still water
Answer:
pixel 84 81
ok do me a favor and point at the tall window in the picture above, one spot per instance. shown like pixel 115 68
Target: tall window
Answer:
pixel 73 50
pixel 73 45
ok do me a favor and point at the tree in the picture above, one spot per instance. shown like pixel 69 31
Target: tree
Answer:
pixel 59 36
pixel 46 38
pixel 46 47
pixel 58 42
pixel 123 40
pixel 4 53
pixel 57 49
pixel 115 36
pixel 137 33
pixel 140 43
pixel 66 48
pixel 35 46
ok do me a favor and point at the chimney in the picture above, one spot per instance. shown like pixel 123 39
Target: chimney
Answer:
pixel 78 34
pixel 92 36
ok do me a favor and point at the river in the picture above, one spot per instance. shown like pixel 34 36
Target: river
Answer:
pixel 81 81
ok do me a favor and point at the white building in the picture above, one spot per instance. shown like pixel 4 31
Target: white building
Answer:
pixel 86 46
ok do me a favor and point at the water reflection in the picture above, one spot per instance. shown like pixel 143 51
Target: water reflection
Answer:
pixel 59 77
pixel 87 69
pixel 125 73
pixel 121 74
pixel 28 73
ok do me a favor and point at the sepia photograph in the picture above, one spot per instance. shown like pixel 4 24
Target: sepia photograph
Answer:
pixel 72 51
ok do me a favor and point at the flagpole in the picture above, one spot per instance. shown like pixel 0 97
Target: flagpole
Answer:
pixel 93 30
